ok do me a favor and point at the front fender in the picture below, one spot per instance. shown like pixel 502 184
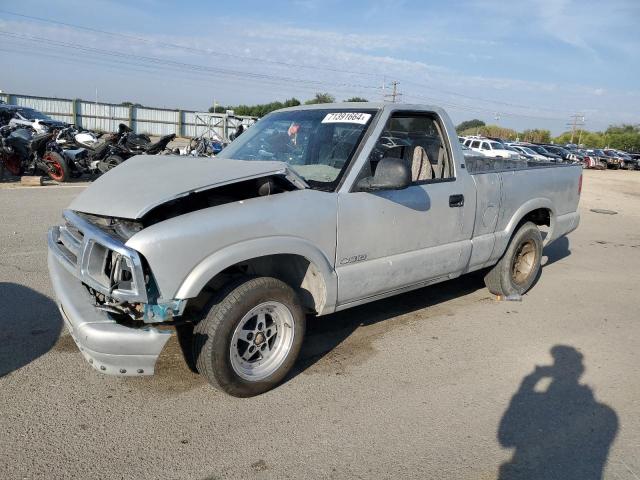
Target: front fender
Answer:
pixel 260 247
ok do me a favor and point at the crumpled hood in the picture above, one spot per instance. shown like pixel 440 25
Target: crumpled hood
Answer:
pixel 146 181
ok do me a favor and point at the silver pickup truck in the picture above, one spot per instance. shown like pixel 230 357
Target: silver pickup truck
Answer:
pixel 312 210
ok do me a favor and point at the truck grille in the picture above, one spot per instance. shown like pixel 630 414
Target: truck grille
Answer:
pixel 70 242
pixel 92 256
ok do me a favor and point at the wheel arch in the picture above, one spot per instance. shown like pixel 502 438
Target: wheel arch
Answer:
pixel 293 260
pixel 539 211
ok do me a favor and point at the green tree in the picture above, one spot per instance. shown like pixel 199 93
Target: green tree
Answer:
pixel 620 129
pixel 258 110
pixel 356 99
pixel 321 98
pixel 536 135
pixel 469 124
pixel 491 131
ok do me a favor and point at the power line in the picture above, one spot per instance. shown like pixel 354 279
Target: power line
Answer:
pixel 486 100
pixel 186 47
pixel 181 65
pixel 395 94
pixel 577 121
pixel 269 61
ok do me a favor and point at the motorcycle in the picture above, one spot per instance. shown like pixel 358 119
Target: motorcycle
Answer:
pixel 86 153
pixel 24 152
pixel 138 144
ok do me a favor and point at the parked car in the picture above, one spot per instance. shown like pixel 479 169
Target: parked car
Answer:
pixel 552 157
pixel 591 160
pixel 636 157
pixel 533 155
pixel 599 155
pixel 18 116
pixel 311 211
pixel 491 148
pixel 626 161
pixel 518 153
pixel 614 159
pixel 565 154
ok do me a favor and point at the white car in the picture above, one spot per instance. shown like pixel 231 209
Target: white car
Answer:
pixel 490 148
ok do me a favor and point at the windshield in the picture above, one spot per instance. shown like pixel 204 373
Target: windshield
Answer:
pixel 31 114
pixel 316 144
pixel 528 150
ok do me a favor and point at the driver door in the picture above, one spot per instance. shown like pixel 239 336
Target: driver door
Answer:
pixel 396 239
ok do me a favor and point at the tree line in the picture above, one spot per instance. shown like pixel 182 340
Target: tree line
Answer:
pixel 261 110
pixel 622 137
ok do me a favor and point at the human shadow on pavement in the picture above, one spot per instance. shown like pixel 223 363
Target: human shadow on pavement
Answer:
pixel 560 433
pixel 30 325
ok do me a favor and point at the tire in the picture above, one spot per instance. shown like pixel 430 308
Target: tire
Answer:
pixel 524 250
pixel 251 316
pixel 109 163
pixel 58 168
pixel 11 163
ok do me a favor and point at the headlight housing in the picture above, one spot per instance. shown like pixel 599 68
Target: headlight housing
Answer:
pixel 100 261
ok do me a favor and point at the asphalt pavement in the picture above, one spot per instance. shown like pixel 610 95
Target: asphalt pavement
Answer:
pixel 440 383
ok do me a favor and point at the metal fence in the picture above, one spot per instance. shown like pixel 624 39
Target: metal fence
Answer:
pixel 152 121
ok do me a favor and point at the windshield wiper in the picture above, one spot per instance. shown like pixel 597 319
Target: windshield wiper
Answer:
pixel 296 178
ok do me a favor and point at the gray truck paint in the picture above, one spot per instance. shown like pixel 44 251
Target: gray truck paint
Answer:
pixel 132 192
pixel 356 246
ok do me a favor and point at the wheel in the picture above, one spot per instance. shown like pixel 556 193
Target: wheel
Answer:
pixel 58 167
pixel 519 266
pixel 11 163
pixel 112 161
pixel 250 337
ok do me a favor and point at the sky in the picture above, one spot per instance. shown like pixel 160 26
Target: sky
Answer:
pixel 522 64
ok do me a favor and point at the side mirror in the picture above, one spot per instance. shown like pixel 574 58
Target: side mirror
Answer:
pixel 391 174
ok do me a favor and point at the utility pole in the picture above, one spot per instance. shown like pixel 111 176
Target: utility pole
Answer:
pixel 395 94
pixel 577 120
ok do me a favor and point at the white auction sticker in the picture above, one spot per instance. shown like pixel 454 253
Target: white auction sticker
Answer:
pixel 347 117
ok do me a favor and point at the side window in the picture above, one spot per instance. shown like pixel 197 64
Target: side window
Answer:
pixel 475 144
pixel 418 140
pixel 485 146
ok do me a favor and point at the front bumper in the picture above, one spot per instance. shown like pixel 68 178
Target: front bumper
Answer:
pixel 109 347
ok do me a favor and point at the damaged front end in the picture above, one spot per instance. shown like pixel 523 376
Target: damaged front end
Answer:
pixel 92 248
pixel 107 295
pixel 106 291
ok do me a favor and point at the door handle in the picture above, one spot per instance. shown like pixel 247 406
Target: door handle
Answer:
pixel 456 200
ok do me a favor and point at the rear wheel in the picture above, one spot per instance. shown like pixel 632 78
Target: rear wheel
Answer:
pixel 519 266
pixel 58 169
pixel 11 163
pixel 251 337
pixel 109 163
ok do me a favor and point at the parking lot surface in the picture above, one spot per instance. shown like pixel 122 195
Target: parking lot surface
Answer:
pixel 438 383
